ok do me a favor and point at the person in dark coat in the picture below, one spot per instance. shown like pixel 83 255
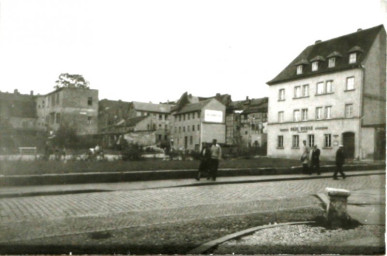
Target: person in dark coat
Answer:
pixel 205 156
pixel 216 155
pixel 315 160
pixel 340 159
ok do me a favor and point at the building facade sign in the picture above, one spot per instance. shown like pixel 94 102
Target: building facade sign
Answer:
pixel 213 116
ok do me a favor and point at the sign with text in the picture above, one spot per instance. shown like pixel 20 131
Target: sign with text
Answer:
pixel 214 116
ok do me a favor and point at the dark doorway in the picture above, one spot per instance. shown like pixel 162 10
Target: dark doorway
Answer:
pixel 349 144
pixel 380 149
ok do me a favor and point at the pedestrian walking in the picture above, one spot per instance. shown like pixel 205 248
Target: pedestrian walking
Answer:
pixel 216 155
pixel 315 161
pixel 340 159
pixel 205 156
pixel 305 159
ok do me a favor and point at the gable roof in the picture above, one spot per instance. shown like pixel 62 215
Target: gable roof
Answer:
pixel 191 107
pixel 150 107
pixel 360 41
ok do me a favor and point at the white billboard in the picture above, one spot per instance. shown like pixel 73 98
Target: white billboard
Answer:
pixel 214 116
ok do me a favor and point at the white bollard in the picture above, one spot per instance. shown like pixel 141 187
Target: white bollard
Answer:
pixel 337 208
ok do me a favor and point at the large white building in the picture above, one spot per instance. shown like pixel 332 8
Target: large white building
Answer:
pixel 332 93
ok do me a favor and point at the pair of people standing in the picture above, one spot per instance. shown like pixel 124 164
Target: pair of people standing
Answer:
pixel 310 159
pixel 210 156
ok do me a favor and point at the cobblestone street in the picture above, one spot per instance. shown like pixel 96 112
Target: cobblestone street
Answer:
pixel 25 218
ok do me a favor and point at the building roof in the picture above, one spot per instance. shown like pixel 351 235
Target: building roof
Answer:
pixel 151 107
pixel 360 41
pixel 191 107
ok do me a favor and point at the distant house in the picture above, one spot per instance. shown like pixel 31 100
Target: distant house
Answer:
pixel 75 107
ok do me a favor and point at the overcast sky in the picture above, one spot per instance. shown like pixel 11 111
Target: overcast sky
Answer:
pixel 155 50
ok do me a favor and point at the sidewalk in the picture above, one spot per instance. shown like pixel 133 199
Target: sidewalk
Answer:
pixel 17 191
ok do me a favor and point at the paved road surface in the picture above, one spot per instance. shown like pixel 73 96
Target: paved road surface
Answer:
pixel 23 218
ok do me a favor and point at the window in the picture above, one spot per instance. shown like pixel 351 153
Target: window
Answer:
pixel 193 128
pixel 160 137
pixel 329 86
pixel 305 90
pixel 314 65
pixel 190 140
pixel 183 128
pixel 352 58
pixel 57 99
pixel 280 116
pixel 310 140
pixel 280 142
pixel 319 113
pixel 179 129
pixel 281 94
pixel 328 111
pixel 89 119
pixel 90 101
pixel 297 92
pixel 154 127
pixel 327 140
pixel 350 83
pixel 58 118
pixel 159 126
pixel 320 88
pixel 304 114
pixel 198 127
pixel 299 69
pixel 348 110
pixel 331 62
pixel 160 117
pixel 296 115
pixel 183 117
pixel 198 114
pixel 296 141
pixel 188 116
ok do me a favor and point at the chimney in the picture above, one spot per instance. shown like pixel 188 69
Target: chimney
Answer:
pixel 15 91
pixel 359 29
pixel 317 42
pixel 32 93
pixel 247 97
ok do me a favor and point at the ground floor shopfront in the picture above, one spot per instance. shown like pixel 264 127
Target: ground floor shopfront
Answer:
pixel 286 139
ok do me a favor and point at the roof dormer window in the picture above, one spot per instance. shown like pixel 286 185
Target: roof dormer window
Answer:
pixel 299 69
pixel 352 58
pixel 354 54
pixel 314 65
pixel 331 62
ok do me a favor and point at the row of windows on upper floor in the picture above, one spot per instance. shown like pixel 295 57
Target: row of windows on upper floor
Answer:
pixel 54 99
pixel 320 113
pixel 327 141
pixel 155 115
pixel 316 64
pixel 187 116
pixel 188 129
pixel 322 88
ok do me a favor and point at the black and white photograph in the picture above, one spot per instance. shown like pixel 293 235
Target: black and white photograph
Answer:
pixel 181 127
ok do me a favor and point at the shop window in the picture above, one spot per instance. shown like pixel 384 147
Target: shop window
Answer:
pixel 310 140
pixel 280 141
pixel 296 141
pixel 327 140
